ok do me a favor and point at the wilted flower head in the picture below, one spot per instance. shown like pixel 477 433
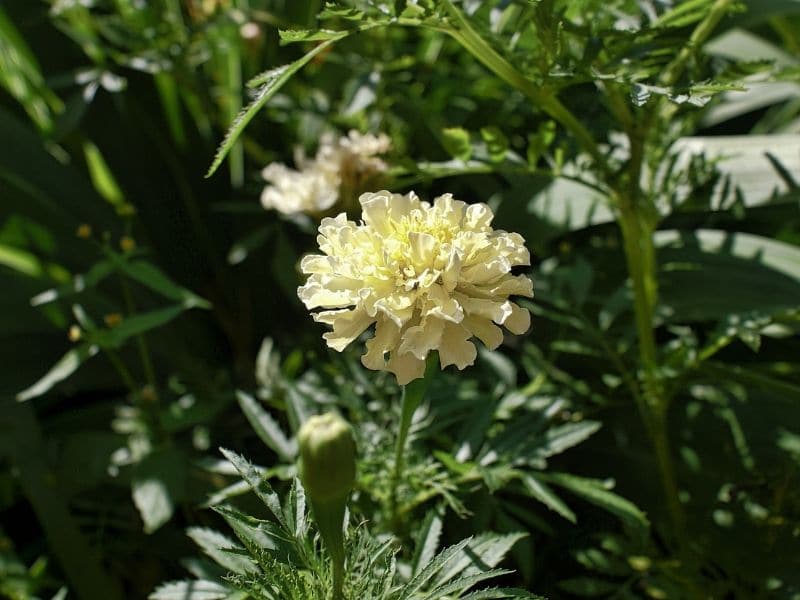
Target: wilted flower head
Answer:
pixel 429 277
pixel 340 168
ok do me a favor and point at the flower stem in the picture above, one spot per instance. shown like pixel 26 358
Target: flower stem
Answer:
pixel 412 396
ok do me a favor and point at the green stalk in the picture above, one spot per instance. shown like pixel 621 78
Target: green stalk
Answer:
pixel 412 396
pixel 542 97
pixel 637 234
pixel 330 520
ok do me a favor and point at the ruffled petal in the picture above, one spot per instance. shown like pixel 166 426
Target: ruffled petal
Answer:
pixel 421 339
pixel 406 367
pixel 486 331
pixel 347 326
pixel 456 349
pixel 385 340
pixel 519 321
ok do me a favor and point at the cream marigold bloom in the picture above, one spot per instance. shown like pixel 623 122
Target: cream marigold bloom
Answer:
pixel 340 166
pixel 429 277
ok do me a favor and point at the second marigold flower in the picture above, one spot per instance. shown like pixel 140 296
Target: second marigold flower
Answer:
pixel 431 277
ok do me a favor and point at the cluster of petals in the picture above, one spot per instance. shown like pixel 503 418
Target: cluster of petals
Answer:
pixel 430 277
pixel 316 185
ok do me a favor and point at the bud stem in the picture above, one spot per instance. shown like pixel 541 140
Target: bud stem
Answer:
pixel 330 520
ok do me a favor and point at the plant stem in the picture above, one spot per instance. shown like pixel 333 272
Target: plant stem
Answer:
pixel 412 396
pixel 330 520
pixel 637 232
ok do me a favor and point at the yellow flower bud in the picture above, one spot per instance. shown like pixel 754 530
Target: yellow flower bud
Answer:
pixel 327 457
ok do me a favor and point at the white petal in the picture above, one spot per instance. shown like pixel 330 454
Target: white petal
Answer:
pixel 406 367
pixel 486 331
pixel 519 321
pixel 347 326
pixel 479 217
pixel 456 349
pixel 387 334
pixel 421 339
pixel 483 307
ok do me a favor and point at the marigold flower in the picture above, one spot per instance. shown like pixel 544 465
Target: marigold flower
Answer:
pixel 340 167
pixel 429 277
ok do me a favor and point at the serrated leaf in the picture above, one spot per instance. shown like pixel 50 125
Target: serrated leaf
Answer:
pixel 501 593
pixel 291 36
pixel 269 83
pixel 484 551
pixel 65 367
pixel 596 492
pixel 257 483
pixel 462 584
pixel 562 437
pixel 255 534
pixel 427 542
pixel 266 428
pixel 191 590
pixel 545 494
pixel 215 544
pixel 439 562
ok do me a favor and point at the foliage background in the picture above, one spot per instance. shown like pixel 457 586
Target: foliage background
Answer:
pixel 111 112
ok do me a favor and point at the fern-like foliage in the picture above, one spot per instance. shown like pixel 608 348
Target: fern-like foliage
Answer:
pixel 282 558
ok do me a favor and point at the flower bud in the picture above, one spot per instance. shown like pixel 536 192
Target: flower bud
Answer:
pixel 327 457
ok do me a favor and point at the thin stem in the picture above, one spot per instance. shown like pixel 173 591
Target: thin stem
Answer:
pixel 542 97
pixel 412 396
pixel 407 412
pixel 141 343
pixel 700 34
pixel 330 520
pixel 122 370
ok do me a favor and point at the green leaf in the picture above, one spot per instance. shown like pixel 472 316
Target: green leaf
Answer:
pixel 154 278
pixel 116 336
pixel 563 437
pixel 427 542
pixel 266 428
pixel 462 584
pixel 65 367
pixel 191 590
pixel 545 494
pixel 439 562
pixel 255 534
pixel 484 551
pixel 456 142
pixel 291 36
pixel 269 83
pixel 501 593
pixel 158 485
pixel 709 274
pixel 217 547
pixel 596 492
pixel 257 483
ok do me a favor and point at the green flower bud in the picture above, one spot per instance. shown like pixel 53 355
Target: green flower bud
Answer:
pixel 327 457
pixel 328 472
